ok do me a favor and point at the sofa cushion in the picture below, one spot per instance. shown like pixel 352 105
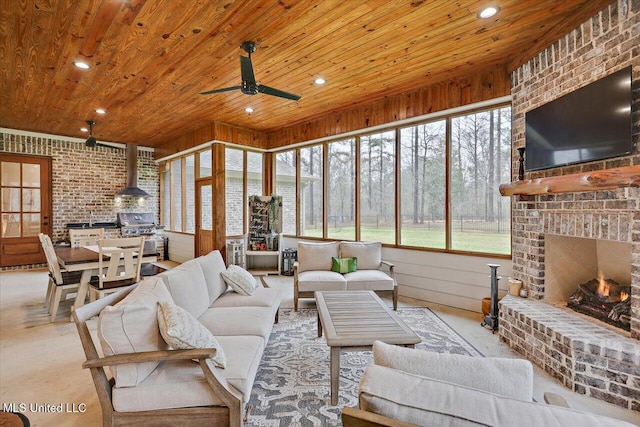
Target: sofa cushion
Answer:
pixel 321 281
pixel 369 254
pixel 368 280
pixel 344 265
pixel 239 279
pixel 260 297
pixel 427 401
pixel 226 321
pixel 482 373
pixel 188 287
pixel 182 331
pixel 181 384
pixel 131 326
pixel 212 265
pixel 316 256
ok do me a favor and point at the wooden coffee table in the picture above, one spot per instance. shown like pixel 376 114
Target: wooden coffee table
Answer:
pixel 353 320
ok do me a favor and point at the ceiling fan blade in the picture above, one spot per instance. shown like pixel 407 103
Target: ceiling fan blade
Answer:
pixel 224 89
pixel 276 92
pixel 246 70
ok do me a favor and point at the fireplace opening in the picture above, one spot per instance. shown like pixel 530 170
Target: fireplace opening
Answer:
pixel 590 276
pixel 604 299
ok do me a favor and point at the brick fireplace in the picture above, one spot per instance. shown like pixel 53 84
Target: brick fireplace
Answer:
pixel 585 355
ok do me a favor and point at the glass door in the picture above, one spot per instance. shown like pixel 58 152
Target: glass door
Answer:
pixel 25 211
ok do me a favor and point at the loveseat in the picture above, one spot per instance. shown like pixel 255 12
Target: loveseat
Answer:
pixel 153 384
pixel 420 387
pixel 316 270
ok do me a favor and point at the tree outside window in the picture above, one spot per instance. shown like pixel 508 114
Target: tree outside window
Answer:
pixel 480 161
pixel 311 191
pixel 377 187
pixel 341 211
pixel 422 185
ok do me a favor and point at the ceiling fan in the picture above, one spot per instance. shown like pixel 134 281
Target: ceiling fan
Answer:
pixel 92 141
pixel 249 85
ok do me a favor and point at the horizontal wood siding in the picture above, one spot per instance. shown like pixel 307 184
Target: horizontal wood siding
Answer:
pixel 181 246
pixel 459 281
pixel 481 86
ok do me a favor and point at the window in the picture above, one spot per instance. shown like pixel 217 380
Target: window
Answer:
pixel 286 187
pixel 190 194
pixel 377 187
pixel 176 191
pixel 341 211
pixel 254 175
pixel 234 191
pixel 205 164
pixel 422 185
pixel 311 191
pixel 480 159
pixel 166 198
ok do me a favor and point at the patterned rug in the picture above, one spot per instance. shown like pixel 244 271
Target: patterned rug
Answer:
pixel 292 385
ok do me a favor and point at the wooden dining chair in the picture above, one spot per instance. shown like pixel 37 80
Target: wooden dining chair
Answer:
pixel 61 283
pixel 85 236
pixel 119 264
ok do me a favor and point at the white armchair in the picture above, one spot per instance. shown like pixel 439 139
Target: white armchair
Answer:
pixel 405 386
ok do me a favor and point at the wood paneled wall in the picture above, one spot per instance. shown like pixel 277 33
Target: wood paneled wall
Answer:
pixel 482 86
pixel 214 131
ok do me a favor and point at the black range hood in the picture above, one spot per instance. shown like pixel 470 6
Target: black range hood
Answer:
pixel 132 190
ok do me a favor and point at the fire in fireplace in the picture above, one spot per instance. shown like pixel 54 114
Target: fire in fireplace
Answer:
pixel 605 300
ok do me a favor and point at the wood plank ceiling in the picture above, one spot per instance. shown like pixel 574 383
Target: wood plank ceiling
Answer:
pixel 150 58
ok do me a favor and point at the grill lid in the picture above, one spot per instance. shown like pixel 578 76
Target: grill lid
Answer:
pixel 132 219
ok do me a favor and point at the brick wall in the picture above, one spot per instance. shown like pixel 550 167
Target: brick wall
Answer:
pixel 606 43
pixel 585 356
pixel 86 179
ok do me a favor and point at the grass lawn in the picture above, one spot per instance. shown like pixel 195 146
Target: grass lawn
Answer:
pixel 498 243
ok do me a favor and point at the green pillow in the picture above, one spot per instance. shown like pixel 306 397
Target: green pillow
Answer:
pixel 344 265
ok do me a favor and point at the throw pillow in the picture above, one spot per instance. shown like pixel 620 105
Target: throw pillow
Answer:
pixel 344 265
pixel 240 280
pixel 182 331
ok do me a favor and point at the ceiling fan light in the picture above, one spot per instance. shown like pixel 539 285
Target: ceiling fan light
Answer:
pixel 91 142
pixel 249 110
pixel 81 65
pixel 488 12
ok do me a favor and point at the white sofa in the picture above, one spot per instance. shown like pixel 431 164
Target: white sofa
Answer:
pixel 424 388
pixel 312 272
pixel 170 388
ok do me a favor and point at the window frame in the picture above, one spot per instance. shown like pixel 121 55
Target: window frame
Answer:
pixel 448 117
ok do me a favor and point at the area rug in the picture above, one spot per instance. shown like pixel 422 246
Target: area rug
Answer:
pixel 292 384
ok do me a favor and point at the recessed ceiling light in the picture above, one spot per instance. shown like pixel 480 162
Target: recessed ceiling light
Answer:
pixel 488 12
pixel 320 81
pixel 84 130
pixel 249 110
pixel 100 111
pixel 82 65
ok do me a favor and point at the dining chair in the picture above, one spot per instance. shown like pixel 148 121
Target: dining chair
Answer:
pixel 85 236
pixel 61 283
pixel 119 264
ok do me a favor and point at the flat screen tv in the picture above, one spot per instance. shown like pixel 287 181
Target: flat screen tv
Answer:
pixel 591 123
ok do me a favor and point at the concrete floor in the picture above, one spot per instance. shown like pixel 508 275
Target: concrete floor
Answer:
pixel 40 361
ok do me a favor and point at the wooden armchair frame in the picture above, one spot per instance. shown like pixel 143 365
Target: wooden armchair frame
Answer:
pixel 230 415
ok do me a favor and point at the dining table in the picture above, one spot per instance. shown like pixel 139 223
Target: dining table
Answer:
pixel 86 260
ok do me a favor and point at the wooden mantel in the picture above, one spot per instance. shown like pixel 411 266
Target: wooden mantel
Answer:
pixel 606 179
